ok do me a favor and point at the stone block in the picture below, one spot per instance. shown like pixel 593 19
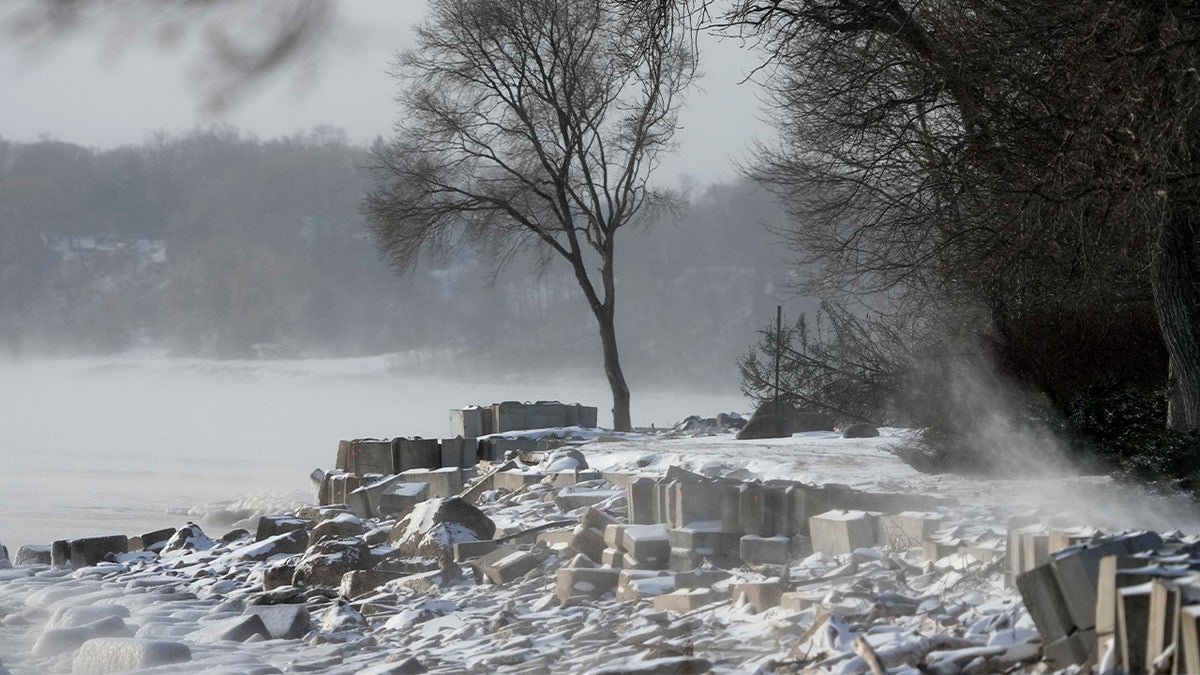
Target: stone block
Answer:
pixel 755 550
pixel 762 595
pixel 270 526
pixel 91 550
pixel 506 564
pixel 460 452
pixel 283 622
pixel 684 601
pixel 357 583
pixel 1045 603
pixel 842 532
pixel 33 554
pixel 469 550
pixel 415 453
pixel 60 553
pixel 575 583
pixel 471 422
pixel 640 495
pixel 154 541
pixel 647 544
pixel 513 481
pixel 908 529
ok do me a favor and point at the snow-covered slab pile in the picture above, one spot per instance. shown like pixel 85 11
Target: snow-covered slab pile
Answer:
pixel 745 566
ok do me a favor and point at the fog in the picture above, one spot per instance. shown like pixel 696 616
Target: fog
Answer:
pixel 97 445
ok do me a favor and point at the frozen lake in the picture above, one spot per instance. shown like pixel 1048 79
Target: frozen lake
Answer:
pixel 128 444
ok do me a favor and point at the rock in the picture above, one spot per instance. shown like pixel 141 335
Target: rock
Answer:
pixel 279 574
pixel 33 554
pixel 574 584
pixel 803 421
pixel 60 553
pixel 506 564
pixel 361 582
pixel 188 538
pixel 70 616
pixel 91 550
pixel 409 666
pixel 433 528
pixel 286 543
pixel 677 665
pixel 860 430
pixel 340 618
pixel 343 526
pixel 54 641
pixel 564 459
pixel 236 629
pixel 270 526
pixel 283 622
pixel 766 426
pixel 326 562
pixel 118 655
pixel 235 535
pixel 5 563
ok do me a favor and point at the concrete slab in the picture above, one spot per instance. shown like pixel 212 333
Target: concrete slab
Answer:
pixel 840 532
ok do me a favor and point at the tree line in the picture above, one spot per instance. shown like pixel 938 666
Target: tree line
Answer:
pixel 220 244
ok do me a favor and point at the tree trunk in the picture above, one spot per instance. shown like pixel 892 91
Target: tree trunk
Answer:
pixel 612 368
pixel 1175 300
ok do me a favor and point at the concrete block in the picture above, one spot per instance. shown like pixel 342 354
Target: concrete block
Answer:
pixel 469 550
pixel 755 550
pixel 283 622
pixel 1133 626
pixel 33 554
pixel 508 416
pixel 695 502
pixel 790 517
pixel 936 550
pixel 1074 649
pixel 662 501
pixel 752 510
pixel 588 541
pixel 798 601
pixel 612 557
pixel 1115 572
pixel 506 564
pixel 1164 611
pixel 762 595
pixel 647 544
pixel 401 498
pixel 684 601
pixel 471 422
pixel 619 479
pixel 1035 549
pixel 1077 569
pixel 443 482
pixel 575 584
pixel 640 496
pixel 270 526
pixel 514 480
pixel 681 560
pixel 91 550
pixel 704 541
pixel 495 448
pixel 415 453
pixel 1045 603
pixel 365 455
pixel 908 529
pixel 700 578
pixel 841 532
pixel 1188 648
pixel 632 586
pixel 598 520
pixel 1062 538
pixel 567 478
pixel 614 535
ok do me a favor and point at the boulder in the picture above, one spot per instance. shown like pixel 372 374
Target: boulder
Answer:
pixel 860 430
pixel 279 574
pixel 156 540
pixel 5 563
pixel 766 426
pixel 235 629
pixel 409 666
pixel 286 543
pixel 326 562
pixel 433 528
pixel 812 421
pixel 271 526
pixel 54 641
pixel 283 621
pixel 342 526
pixel 119 655
pixel 189 538
pixel 564 459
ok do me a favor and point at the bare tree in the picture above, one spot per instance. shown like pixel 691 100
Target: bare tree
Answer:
pixel 533 124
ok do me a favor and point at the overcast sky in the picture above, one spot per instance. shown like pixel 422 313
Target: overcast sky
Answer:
pixel 84 90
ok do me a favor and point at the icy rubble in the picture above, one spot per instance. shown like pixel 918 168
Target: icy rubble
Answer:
pixel 827 613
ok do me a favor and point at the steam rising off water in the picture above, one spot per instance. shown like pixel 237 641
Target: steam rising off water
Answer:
pixel 108 445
